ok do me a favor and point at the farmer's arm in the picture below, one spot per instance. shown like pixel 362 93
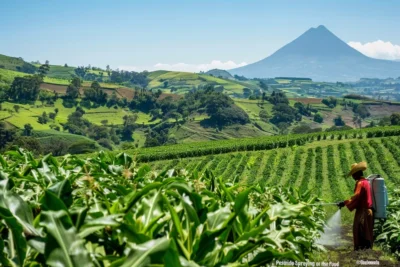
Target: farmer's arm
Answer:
pixel 353 202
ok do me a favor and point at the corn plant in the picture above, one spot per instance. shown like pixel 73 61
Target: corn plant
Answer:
pixel 107 211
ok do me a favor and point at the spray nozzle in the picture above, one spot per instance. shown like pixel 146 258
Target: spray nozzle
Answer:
pixel 340 204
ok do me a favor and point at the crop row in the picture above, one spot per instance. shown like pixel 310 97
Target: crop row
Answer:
pixel 393 148
pixel 318 169
pixel 294 174
pixel 382 158
pixel 269 167
pixel 333 177
pixel 253 144
pixel 307 170
pixel 370 158
pixel 253 168
pixel 344 164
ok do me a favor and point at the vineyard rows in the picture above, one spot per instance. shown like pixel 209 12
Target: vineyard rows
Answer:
pixel 321 167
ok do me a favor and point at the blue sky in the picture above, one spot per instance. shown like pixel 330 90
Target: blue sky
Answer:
pixel 198 34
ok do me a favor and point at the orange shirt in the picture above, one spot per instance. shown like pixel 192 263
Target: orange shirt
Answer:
pixel 362 198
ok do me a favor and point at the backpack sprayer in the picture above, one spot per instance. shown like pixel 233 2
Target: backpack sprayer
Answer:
pixel 378 193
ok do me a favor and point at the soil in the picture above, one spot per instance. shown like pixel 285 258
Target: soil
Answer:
pixel 346 256
pixel 383 110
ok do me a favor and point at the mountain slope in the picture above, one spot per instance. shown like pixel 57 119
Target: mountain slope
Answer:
pixel 322 56
pixel 16 64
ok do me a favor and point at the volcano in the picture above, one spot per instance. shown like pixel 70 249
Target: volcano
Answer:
pixel 320 55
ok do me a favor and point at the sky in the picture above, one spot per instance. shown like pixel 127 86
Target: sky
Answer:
pixel 187 35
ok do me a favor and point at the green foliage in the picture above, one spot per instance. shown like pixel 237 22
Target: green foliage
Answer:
pixel 338 121
pixel 73 88
pixel 250 144
pixel 95 94
pixel 16 64
pixel 110 212
pixel 330 102
pixel 25 89
pixel 395 119
pixel 388 231
pixel 318 118
pixel 7 134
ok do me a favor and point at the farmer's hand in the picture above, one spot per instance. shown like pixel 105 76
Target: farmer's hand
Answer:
pixel 340 204
pixel 369 212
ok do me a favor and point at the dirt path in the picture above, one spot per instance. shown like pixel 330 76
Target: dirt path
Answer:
pixel 344 254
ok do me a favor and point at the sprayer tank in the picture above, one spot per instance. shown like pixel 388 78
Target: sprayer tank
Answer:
pixel 379 195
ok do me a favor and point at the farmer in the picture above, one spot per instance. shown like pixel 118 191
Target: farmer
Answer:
pixel 361 201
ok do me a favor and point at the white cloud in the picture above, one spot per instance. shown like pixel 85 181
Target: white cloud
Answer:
pixel 129 68
pixel 214 64
pixel 378 49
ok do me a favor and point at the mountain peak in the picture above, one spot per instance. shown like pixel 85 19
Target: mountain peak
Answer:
pixel 322 27
pixel 319 54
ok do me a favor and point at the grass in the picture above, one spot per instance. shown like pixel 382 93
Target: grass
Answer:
pixel 7 76
pixel 61 72
pixel 184 81
pixel 29 114
pixel 11 63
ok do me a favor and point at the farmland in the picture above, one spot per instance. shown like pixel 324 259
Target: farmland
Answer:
pixel 118 212
pixel 319 164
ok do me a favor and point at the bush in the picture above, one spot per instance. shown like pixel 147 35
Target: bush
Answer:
pixel 318 118
pixel 105 143
pixel 82 147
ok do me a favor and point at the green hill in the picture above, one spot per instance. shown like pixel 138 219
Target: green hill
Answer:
pixel 220 73
pixel 182 82
pixel 16 64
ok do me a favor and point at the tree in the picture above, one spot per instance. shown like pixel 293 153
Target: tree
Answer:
pixel 284 113
pixel 95 94
pixel 7 134
pixel 338 121
pixel 73 88
pixel 43 119
pixel 28 143
pixel 66 65
pixel 16 108
pixel 25 89
pixel 283 127
pixel 44 69
pixel 278 97
pixel 45 96
pixel 318 118
pixel 165 84
pixel 330 102
pixel 264 116
pixel 395 119
pixel 357 121
pixel 56 111
pixel 128 127
pixel 27 130
pixel 246 92
pixel 80 72
pixel 361 110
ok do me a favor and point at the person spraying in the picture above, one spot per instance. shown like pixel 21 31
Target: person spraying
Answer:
pixel 361 201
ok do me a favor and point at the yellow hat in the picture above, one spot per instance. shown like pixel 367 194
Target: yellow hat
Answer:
pixel 355 167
